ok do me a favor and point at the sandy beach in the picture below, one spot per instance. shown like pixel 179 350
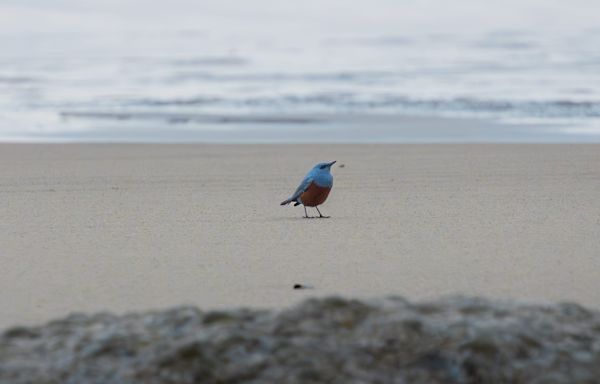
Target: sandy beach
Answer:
pixel 90 227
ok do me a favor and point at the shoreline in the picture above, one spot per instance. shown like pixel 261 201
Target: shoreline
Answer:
pixel 296 128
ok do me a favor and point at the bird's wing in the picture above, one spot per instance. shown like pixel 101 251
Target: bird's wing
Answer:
pixel 302 187
pixel 304 184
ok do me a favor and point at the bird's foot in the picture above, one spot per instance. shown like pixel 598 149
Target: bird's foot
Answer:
pixel 321 215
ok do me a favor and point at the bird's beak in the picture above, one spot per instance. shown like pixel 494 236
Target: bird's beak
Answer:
pixel 333 162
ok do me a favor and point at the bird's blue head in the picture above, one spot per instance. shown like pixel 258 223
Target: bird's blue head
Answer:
pixel 323 167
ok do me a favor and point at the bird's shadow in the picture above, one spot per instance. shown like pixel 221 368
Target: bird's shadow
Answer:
pixel 300 218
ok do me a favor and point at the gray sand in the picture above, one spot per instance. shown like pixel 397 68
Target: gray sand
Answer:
pixel 136 227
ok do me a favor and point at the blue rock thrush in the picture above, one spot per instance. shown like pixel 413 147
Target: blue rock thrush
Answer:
pixel 314 188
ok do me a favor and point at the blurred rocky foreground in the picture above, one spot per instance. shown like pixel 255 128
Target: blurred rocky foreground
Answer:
pixel 452 340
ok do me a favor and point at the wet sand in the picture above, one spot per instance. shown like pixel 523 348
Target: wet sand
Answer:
pixel 132 227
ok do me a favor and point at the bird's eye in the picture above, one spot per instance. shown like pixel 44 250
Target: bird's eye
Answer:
pixel 323 166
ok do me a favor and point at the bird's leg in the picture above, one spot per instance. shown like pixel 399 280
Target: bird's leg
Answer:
pixel 321 215
pixel 305 213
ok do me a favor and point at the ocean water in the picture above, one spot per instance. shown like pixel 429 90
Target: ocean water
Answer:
pixel 248 70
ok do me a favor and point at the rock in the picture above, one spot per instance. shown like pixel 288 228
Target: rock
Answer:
pixel 334 340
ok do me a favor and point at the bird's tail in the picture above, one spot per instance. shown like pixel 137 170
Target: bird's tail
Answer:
pixel 286 201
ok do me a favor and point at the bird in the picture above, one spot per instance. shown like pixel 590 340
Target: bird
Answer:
pixel 313 189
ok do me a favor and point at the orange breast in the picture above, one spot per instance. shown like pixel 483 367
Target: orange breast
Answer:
pixel 314 195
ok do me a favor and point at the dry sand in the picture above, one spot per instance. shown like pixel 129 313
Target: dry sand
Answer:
pixel 131 227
